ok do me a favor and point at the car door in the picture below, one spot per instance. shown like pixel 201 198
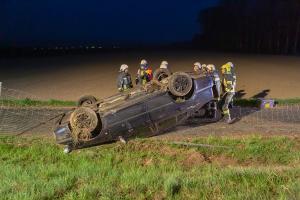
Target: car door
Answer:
pixel 129 121
pixel 162 112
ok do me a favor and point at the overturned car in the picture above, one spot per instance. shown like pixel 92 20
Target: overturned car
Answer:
pixel 144 111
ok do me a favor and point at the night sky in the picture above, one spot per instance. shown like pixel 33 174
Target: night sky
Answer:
pixel 76 22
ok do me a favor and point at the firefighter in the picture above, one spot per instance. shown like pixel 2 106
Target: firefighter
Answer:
pixel 211 69
pixel 144 74
pixel 229 84
pixel 124 81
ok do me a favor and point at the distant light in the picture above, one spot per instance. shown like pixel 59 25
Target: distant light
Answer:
pixel 92 47
pixel 99 47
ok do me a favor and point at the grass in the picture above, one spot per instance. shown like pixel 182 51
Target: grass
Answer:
pixel 247 102
pixel 36 103
pixel 292 101
pixel 251 168
pixel 256 102
pixel 61 103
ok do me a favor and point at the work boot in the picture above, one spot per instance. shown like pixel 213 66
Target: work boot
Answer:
pixel 227 119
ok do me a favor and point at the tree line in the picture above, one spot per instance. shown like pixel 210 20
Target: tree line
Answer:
pixel 262 26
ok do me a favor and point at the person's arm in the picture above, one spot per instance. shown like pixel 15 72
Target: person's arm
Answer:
pixel 130 81
pixel 137 78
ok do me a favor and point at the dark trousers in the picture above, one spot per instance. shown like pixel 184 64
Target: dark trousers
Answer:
pixel 227 99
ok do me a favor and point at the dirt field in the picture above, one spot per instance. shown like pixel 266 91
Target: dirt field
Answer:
pixel 68 77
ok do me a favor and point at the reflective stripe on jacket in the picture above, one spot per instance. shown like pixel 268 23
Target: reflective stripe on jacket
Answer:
pixel 229 83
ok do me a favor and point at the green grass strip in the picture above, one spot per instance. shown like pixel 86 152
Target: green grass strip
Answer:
pixel 37 103
pixel 253 168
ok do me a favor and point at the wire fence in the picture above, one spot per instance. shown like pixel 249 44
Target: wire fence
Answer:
pixel 16 118
pixel 282 113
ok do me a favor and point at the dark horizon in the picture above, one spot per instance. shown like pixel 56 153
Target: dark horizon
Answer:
pixel 61 23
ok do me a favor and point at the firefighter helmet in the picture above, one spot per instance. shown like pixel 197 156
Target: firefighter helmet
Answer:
pixel 123 67
pixel 164 65
pixel 197 66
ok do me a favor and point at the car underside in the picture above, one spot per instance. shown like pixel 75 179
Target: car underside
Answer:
pixel 144 111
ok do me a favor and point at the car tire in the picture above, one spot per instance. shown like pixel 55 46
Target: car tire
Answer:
pixel 87 100
pixel 84 121
pixel 161 74
pixel 180 84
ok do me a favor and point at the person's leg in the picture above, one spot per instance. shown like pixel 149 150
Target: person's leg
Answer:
pixel 225 108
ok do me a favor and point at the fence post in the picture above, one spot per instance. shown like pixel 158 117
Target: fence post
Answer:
pixel 0 88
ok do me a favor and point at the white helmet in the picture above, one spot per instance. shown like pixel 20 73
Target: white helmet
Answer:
pixel 144 62
pixel 230 64
pixel 211 67
pixel 164 62
pixel 123 67
pixel 164 65
pixel 198 65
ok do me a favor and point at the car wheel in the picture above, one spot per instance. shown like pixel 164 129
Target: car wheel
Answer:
pixel 83 121
pixel 161 74
pixel 180 84
pixel 86 100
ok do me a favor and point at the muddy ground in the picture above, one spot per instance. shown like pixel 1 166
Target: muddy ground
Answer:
pixel 69 77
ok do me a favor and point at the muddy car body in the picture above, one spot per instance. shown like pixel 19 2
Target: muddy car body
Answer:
pixel 142 112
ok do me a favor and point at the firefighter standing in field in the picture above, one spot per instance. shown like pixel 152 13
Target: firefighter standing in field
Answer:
pixel 165 66
pixel 144 74
pixel 124 81
pixel 229 84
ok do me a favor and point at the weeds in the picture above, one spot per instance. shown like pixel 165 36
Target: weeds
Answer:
pixel 261 168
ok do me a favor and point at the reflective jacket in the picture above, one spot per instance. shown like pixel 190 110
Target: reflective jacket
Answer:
pixel 144 76
pixel 229 82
